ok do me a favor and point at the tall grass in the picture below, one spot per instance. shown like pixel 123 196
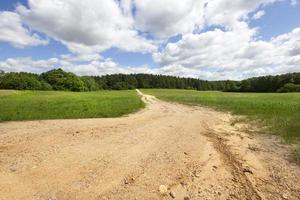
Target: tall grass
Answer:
pixel 32 105
pixel 281 112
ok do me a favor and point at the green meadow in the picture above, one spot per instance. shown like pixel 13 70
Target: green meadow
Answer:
pixel 280 112
pixel 35 105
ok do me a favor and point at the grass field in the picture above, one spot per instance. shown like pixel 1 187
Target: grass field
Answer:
pixel 280 112
pixel 32 105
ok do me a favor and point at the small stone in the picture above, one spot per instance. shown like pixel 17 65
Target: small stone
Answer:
pixel 215 167
pixel 129 180
pixel 247 170
pixel 196 174
pixel 284 196
pixel 12 169
pixel 182 183
pixel 186 153
pixel 52 198
pixel 126 181
pixel 172 194
pixel 186 198
pixel 163 189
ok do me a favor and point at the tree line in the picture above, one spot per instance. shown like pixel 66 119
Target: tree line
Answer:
pixel 281 83
pixel 57 79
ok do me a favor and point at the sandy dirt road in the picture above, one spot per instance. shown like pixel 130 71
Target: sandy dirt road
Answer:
pixel 191 152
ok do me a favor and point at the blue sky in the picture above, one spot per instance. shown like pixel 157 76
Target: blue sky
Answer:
pixel 151 37
pixel 280 18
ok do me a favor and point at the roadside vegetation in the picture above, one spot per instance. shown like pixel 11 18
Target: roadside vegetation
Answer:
pixel 34 105
pixel 279 112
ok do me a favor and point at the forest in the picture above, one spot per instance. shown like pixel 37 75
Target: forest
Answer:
pixel 57 79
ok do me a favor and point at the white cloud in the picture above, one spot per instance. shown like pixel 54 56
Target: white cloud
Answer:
pixel 86 27
pixel 27 65
pixel 165 18
pixel 228 13
pixel 13 31
pixel 259 14
pixel 234 54
pixel 77 65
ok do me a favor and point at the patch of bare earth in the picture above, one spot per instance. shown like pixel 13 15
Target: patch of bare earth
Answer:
pixel 166 151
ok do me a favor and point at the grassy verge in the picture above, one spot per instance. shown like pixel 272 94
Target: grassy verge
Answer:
pixel 33 105
pixel 280 112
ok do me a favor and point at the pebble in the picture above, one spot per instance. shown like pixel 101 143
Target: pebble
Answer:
pixel 172 194
pixel 284 196
pixel 197 175
pixel 129 180
pixel 126 181
pixel 12 169
pixel 163 189
pixel 247 170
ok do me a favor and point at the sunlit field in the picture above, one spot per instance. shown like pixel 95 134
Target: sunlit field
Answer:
pixel 33 105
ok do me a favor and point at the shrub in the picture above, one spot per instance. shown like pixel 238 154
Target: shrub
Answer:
pixel 90 83
pixel 61 80
pixel 23 81
pixel 290 87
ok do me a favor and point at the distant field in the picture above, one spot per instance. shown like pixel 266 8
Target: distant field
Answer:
pixel 279 111
pixel 32 105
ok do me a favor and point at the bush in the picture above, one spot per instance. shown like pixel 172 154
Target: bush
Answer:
pixel 61 80
pixel 90 83
pixel 121 86
pixel 290 87
pixel 23 81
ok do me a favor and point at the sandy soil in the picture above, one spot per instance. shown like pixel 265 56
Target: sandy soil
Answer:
pixel 166 151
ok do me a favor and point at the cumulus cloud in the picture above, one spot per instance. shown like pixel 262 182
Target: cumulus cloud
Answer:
pixel 165 18
pixel 234 54
pixel 78 65
pixel 86 27
pixel 27 65
pixel 229 13
pixel 13 31
pixel 168 17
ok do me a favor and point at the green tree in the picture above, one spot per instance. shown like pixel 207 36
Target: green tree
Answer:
pixel 61 80
pixel 23 81
pixel 290 87
pixel 90 83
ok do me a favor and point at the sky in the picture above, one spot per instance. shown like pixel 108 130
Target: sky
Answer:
pixel 206 39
